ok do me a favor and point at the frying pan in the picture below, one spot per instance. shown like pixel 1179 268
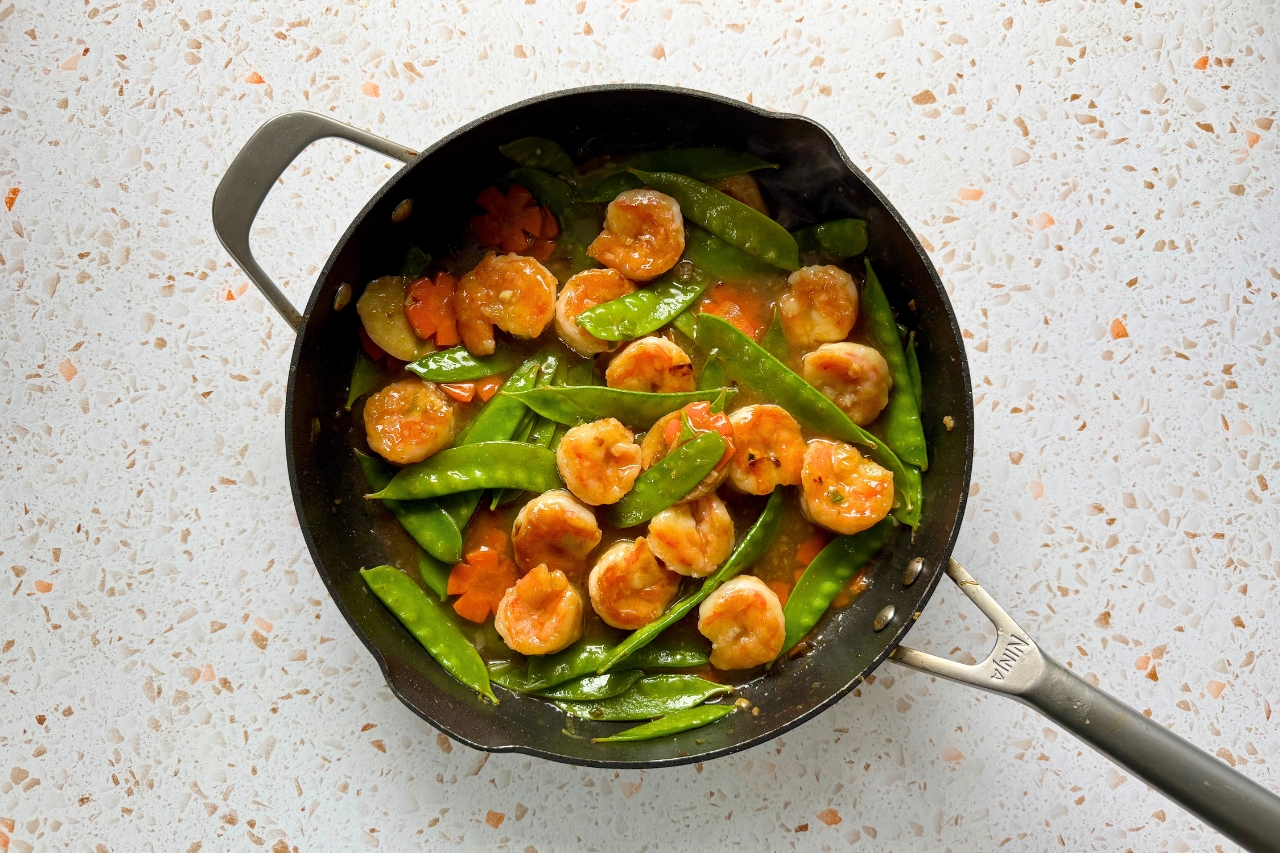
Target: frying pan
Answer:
pixel 816 182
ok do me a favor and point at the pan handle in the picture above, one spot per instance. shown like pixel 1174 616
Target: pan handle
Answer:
pixel 1235 805
pixel 255 171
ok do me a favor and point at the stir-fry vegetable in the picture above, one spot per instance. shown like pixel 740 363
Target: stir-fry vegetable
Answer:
pixel 486 465
pixel 826 575
pixel 837 239
pixel 901 418
pixel 704 164
pixel 428 524
pixel 669 480
pixel 538 153
pixel 671 724
pixel 580 404
pixel 458 365
pixel 364 376
pixel 651 697
pixel 591 687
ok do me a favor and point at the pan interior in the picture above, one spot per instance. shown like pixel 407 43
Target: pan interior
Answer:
pixel 815 183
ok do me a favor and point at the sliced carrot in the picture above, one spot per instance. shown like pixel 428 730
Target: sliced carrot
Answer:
pixel 488 386
pixel 480 583
pixel 782 589
pixel 744 309
pixel 428 305
pixel 811 547
pixel 514 222
pixel 463 392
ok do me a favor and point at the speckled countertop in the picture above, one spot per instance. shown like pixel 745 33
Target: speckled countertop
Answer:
pixel 1096 183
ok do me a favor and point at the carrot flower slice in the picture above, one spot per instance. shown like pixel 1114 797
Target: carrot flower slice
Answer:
pixel 514 222
pixel 482 580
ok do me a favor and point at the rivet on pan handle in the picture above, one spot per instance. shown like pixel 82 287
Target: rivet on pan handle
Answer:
pixel 255 170
pixel 1233 804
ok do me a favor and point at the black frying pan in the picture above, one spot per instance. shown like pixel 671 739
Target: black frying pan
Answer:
pixel 816 182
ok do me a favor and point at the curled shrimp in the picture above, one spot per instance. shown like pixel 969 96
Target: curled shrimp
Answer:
pixel 599 461
pixel 555 530
pixel 769 449
pixel 855 377
pixel 692 538
pixel 841 489
pixel 821 306
pixel 408 421
pixel 629 588
pixel 643 235
pixel 513 292
pixel 651 364
pixel 587 289
pixel 744 622
pixel 664 437
pixel 541 614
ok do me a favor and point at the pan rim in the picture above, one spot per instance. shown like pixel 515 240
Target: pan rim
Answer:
pixel 891 643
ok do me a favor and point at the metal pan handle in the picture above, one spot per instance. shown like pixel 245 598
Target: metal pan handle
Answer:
pixel 255 171
pixel 1235 805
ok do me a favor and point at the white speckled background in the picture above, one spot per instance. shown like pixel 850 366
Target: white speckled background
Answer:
pixel 1097 185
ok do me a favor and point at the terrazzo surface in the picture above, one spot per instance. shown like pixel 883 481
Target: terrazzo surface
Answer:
pixel 1096 183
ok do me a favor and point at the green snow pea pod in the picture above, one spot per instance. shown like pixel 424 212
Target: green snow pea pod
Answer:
pixel 604 185
pixel 363 377
pixel 722 261
pixel 913 368
pixel 584 657
pixel 669 480
pixel 582 373
pixel 435 574
pixel 775 340
pixel 430 623
pixel 687 322
pixel 538 153
pixel 837 239
pixel 751 364
pixel 428 524
pixel 458 365
pixel 415 262
pixel 901 428
pixel 713 376
pixel 647 309
pixel 671 654
pixel 487 465
pixel 592 687
pixel 750 549
pixel 539 432
pixel 729 219
pixel 826 575
pixel 575 404
pixel 704 164
pixel 671 724
pixel 651 697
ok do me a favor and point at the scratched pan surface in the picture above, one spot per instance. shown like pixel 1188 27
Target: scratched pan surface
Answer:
pixel 816 182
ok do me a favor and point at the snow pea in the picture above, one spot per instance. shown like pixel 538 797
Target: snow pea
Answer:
pixel 687 322
pixel 486 465
pixel 428 524
pixel 538 153
pixel 671 724
pixel 428 620
pixel 584 657
pixel 669 480
pixel 913 368
pixel 704 164
pixel 415 262
pixel 648 309
pixel 775 340
pixel 591 687
pixel 434 573
pixel 750 549
pixel 751 364
pixel 363 377
pixel 574 404
pixel 722 261
pixel 729 219
pixel 540 430
pixel 837 239
pixel 458 365
pixel 901 428
pixel 826 575
pixel 713 375
pixel 652 696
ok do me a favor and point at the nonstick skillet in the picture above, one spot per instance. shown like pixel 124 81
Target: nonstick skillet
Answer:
pixel 815 182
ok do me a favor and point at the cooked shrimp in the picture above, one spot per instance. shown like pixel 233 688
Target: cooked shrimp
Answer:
pixel 664 437
pixel 599 461
pixel 408 421
pixel 541 614
pixel 629 588
pixel 556 530
pixel 693 538
pixel 769 449
pixel 744 622
pixel 743 188
pixel 842 490
pixel 643 235
pixel 587 289
pixel 651 364
pixel 821 306
pixel 515 293
pixel 855 377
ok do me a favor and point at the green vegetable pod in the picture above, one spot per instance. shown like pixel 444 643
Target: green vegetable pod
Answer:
pixel 704 164
pixel 722 261
pixel 669 480
pixel 593 687
pixel 430 623
pixel 751 364
pixel 575 404
pixel 729 219
pixel 584 658
pixel 540 430
pixel 428 524
pixel 538 153
pixel 837 239
pixel 652 696
pixel 671 724
pixel 458 365
pixel 647 309
pixel 750 549
pixel 902 429
pixel 472 467
pixel 363 377
pixel 826 575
